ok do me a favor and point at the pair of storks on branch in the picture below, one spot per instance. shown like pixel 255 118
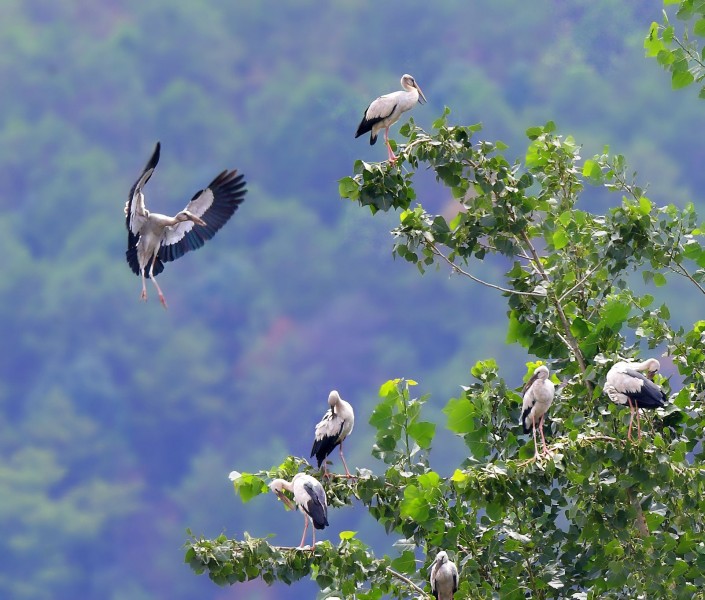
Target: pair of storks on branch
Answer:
pixel 154 239
pixel 625 384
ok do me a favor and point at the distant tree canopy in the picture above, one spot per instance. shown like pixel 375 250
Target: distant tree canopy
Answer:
pixel 600 515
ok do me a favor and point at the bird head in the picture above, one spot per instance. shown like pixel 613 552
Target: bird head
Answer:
pixel 652 367
pixel 277 486
pixel 442 557
pixel 541 372
pixel 185 215
pixel 408 82
pixel 333 398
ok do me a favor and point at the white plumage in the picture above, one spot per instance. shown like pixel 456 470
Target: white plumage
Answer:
pixel 444 577
pixel 383 112
pixel 538 396
pixel 310 498
pixel 153 238
pixel 626 385
pixel 333 428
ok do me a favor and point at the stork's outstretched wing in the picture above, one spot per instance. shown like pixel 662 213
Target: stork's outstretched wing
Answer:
pixel 215 205
pixel 135 214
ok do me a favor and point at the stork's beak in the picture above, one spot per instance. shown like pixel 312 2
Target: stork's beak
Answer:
pixel 421 96
pixel 650 375
pixel 289 504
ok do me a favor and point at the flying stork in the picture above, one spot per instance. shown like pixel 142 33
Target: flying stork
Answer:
pixel 444 577
pixel 625 384
pixel 153 239
pixel 538 395
pixel 383 112
pixel 309 497
pixel 333 428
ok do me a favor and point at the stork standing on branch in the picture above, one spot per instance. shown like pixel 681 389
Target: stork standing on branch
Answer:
pixel 153 239
pixel 383 112
pixel 444 577
pixel 625 384
pixel 538 396
pixel 309 497
pixel 331 431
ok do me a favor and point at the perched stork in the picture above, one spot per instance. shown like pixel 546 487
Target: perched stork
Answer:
pixel 309 497
pixel 383 112
pixel 333 428
pixel 444 577
pixel 153 239
pixel 626 385
pixel 538 395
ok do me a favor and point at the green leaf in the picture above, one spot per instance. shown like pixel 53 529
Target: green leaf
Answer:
pixel 348 188
pixel 614 314
pixel 460 415
pixel 560 239
pixel 699 27
pixel 347 535
pixel 659 279
pixel 592 170
pixel 422 432
pixel 406 563
pixel 681 79
pixel 248 485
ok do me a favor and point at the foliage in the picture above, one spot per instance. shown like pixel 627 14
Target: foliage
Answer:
pixel 600 515
pixel 680 52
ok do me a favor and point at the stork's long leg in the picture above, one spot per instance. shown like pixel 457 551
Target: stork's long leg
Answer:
pixel 536 444
pixel 156 285
pixel 638 422
pixel 144 287
pixel 631 418
pixel 347 472
pixel 303 537
pixel 390 152
pixel 543 439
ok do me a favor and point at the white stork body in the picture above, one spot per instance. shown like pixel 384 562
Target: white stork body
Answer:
pixel 444 577
pixel 332 429
pixel 626 385
pixel 383 112
pixel 538 396
pixel 153 239
pixel 309 497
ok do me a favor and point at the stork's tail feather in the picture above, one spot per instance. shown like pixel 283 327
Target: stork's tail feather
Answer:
pixel 373 139
pixel 524 417
pixel 320 523
pixel 323 447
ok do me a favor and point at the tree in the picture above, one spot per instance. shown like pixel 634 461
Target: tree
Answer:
pixel 599 515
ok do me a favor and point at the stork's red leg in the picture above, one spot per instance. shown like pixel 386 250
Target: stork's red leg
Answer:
pixel 303 537
pixel 536 444
pixel 631 418
pixel 144 287
pixel 638 423
pixel 162 299
pixel 543 439
pixel 347 472
pixel 390 152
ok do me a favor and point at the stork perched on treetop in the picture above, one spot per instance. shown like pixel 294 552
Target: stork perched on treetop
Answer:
pixel 383 112
pixel 153 239
pixel 309 497
pixel 444 577
pixel 538 396
pixel 333 428
pixel 625 384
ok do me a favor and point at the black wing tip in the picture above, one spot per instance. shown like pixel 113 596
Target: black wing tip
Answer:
pixel 323 447
pixel 154 160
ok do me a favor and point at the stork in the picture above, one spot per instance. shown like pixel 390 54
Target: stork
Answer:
pixel 538 395
pixel 153 239
pixel 309 497
pixel 383 112
pixel 444 577
pixel 336 424
pixel 625 384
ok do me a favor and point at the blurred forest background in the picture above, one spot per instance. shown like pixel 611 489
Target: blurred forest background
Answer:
pixel 120 421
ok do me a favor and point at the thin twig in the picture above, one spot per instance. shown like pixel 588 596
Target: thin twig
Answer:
pixel 459 270
pixel 684 271
pixel 408 581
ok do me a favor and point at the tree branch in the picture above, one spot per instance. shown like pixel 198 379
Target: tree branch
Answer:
pixel 460 271
pixel 407 581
